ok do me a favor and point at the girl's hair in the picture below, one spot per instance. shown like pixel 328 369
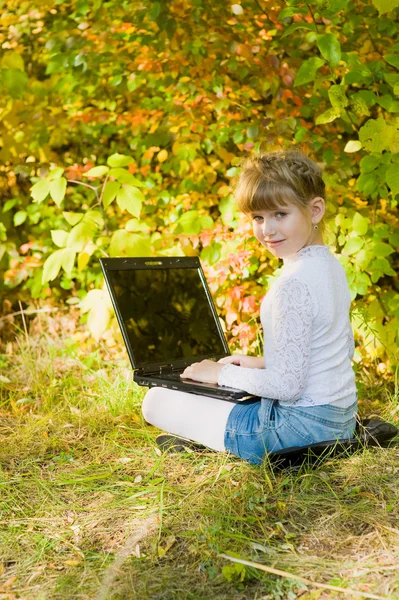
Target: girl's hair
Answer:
pixel 275 179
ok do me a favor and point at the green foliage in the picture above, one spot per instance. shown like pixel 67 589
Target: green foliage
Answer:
pixel 329 47
pixel 308 70
pixel 234 573
pixel 122 127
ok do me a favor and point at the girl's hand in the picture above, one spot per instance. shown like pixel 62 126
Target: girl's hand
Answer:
pixel 249 362
pixel 206 371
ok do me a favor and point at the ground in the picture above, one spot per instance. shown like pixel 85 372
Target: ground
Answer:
pixel 91 509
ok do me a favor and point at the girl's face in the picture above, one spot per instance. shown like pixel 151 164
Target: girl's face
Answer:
pixel 287 229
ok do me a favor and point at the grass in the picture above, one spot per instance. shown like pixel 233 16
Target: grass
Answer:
pixel 90 509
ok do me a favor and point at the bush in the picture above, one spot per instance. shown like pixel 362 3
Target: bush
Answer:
pixel 123 127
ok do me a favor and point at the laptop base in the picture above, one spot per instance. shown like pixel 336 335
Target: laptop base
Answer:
pixel 193 387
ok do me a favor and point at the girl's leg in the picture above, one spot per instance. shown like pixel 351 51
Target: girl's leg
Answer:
pixel 198 418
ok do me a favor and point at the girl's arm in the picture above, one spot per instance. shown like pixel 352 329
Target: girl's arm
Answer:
pixel 285 379
pixel 241 360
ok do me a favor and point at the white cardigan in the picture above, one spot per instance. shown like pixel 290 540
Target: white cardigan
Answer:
pixel 308 339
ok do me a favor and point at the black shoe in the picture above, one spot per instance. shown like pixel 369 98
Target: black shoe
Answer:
pixel 369 432
pixel 375 432
pixel 171 443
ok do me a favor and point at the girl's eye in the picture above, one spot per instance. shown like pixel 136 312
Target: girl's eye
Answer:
pixel 279 214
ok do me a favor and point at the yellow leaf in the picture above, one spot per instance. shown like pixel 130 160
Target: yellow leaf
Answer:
pixel 84 255
pixel 184 168
pixel 170 540
pixel 198 165
pixel 42 155
pixel 72 563
pixel 366 48
pixel 353 146
pixel 225 155
pixel 83 259
pixel 162 156
pixel 224 190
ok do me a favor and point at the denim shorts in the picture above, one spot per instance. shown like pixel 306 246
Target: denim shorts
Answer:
pixel 257 427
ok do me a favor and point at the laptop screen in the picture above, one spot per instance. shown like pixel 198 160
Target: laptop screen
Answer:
pixel 166 314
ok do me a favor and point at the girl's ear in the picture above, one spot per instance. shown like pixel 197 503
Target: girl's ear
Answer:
pixel 317 208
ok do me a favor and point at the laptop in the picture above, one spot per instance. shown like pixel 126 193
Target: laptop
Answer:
pixel 168 321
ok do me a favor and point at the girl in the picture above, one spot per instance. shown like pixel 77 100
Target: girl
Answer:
pixel 304 383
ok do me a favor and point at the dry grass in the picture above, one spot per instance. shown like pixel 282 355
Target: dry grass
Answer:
pixel 89 508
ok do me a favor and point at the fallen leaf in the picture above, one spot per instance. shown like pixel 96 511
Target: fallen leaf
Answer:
pixel 9 582
pixel 162 550
pixel 38 571
pixel 125 483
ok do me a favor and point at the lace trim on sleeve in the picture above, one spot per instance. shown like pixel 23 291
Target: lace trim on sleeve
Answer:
pixel 292 317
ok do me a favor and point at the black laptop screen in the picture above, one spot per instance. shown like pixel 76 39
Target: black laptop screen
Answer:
pixel 166 314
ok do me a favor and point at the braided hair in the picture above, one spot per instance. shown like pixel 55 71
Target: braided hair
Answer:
pixel 276 179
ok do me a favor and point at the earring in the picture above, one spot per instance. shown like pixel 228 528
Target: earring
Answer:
pixel 316 227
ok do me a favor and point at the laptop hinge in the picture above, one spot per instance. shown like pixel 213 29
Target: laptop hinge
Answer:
pixel 165 369
pixel 158 370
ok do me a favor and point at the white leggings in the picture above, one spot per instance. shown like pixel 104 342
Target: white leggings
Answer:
pixel 198 418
